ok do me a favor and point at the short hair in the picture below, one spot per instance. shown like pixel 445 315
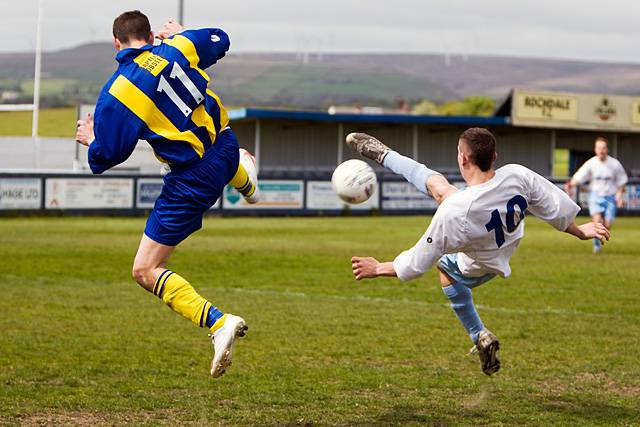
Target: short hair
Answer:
pixel 603 139
pixel 482 147
pixel 131 25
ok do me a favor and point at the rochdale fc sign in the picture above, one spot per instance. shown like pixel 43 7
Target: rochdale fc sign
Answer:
pixel 575 110
pixel 538 106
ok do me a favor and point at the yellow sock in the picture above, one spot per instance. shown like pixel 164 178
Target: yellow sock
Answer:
pixel 180 296
pixel 242 182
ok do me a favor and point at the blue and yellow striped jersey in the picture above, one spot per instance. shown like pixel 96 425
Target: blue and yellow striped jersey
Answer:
pixel 159 94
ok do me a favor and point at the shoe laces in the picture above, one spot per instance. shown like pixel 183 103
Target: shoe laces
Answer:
pixel 473 350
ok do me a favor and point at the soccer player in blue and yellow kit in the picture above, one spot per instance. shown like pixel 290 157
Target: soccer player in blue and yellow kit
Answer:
pixel 159 94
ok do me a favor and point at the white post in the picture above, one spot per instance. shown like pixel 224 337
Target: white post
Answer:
pixel 36 83
pixel 415 142
pixel 552 153
pixel 181 12
pixel 340 148
pixel 256 148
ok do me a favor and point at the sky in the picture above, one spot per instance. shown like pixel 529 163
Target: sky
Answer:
pixel 563 29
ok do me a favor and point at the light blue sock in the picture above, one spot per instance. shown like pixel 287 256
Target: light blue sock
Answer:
pixel 414 172
pixel 597 244
pixel 462 304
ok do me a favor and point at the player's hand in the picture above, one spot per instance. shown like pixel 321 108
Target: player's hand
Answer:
pixel 619 202
pixel 364 267
pixel 84 131
pixel 568 188
pixel 169 29
pixel 594 230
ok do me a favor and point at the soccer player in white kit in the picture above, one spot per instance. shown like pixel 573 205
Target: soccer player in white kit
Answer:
pixel 606 178
pixel 476 230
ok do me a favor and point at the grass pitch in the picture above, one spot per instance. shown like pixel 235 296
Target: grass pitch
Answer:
pixel 81 343
pixel 54 122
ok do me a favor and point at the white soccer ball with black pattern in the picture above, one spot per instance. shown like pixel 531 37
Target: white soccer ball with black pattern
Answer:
pixel 354 181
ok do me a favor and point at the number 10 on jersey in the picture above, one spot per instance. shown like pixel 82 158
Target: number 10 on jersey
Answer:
pixel 495 224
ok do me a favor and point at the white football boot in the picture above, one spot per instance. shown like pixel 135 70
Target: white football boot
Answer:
pixel 222 341
pixel 487 347
pixel 368 146
pixel 251 166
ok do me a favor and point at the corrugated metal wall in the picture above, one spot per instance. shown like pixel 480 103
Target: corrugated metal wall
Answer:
pixel 578 140
pixel 298 146
pixel 628 152
pixel 295 146
pixel 245 132
pixel 437 148
pixel 528 147
pixel 301 145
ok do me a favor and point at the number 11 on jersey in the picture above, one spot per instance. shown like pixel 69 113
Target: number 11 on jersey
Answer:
pixel 164 86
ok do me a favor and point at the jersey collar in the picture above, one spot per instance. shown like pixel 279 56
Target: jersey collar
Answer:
pixel 128 54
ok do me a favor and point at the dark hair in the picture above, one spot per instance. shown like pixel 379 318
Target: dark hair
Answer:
pixel 131 25
pixel 482 147
pixel 603 139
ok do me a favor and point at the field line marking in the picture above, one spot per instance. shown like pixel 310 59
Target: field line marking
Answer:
pixel 364 298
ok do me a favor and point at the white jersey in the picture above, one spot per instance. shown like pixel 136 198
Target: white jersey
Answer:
pixel 484 223
pixel 605 178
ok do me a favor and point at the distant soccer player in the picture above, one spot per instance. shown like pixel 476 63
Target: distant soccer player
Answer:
pixel 475 231
pixel 606 178
pixel 159 94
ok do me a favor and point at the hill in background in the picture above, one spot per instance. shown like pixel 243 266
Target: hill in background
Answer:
pixel 317 81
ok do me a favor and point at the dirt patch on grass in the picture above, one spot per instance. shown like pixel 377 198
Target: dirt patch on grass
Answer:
pixel 585 381
pixel 92 418
pixel 607 383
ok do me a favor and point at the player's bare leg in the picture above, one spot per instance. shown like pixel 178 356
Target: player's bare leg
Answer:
pixel 149 271
pixel 150 261
pixel 425 180
pixel 486 343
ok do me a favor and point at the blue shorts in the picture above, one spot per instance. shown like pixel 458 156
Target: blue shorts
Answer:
pixel 605 205
pixel 187 194
pixel 449 264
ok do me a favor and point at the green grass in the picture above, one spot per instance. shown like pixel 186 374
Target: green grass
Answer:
pixel 59 122
pixel 328 85
pixel 48 86
pixel 81 343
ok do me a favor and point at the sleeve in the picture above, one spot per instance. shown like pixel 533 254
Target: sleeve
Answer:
pixel 621 175
pixel 211 45
pixel 116 134
pixel 583 174
pixel 550 203
pixel 435 242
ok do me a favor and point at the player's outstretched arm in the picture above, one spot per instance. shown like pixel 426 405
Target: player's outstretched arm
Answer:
pixel 370 268
pixel 440 188
pixel 590 230
pixel 211 44
pixel 111 134
pixel 169 29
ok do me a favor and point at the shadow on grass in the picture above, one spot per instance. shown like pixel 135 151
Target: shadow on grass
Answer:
pixel 563 410
pixel 593 411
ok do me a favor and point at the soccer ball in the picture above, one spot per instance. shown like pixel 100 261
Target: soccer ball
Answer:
pixel 354 181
